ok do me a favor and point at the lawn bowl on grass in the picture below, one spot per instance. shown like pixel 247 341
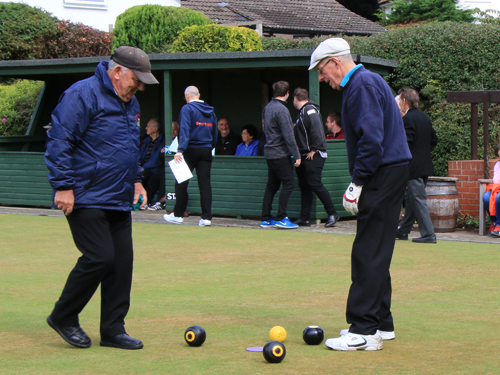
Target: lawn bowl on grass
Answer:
pixel 195 336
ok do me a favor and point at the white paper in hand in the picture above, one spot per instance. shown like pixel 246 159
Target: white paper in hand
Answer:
pixel 180 170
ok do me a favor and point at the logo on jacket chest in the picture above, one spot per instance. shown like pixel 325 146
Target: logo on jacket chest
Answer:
pixel 138 119
pixel 203 123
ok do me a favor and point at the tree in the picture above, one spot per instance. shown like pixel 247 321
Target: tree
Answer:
pixel 153 28
pixel 365 8
pixel 410 11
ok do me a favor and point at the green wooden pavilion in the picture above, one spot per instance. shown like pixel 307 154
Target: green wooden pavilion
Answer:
pixel 236 84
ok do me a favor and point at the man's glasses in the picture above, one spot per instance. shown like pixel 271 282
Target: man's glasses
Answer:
pixel 320 70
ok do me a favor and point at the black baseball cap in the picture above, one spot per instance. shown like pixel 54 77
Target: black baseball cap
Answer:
pixel 136 60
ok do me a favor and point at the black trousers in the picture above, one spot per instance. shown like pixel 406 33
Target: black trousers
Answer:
pixel 309 175
pixel 201 160
pixel 104 237
pixel 369 300
pixel 156 185
pixel 146 177
pixel 280 172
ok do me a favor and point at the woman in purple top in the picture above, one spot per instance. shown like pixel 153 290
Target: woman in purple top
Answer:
pixel 248 147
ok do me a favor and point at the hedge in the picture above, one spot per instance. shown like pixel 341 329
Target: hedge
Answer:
pixel 78 40
pixel 153 28
pixel 436 58
pixel 216 38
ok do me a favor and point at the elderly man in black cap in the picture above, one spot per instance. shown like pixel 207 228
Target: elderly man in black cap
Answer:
pixel 378 156
pixel 93 161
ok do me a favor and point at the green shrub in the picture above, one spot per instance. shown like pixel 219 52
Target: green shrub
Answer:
pixel 216 38
pixel 17 101
pixel 153 28
pixel 25 31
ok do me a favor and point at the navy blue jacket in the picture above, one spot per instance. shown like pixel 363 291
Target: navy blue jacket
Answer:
pixel 93 145
pixel 250 150
pixel 198 126
pixel 374 133
pixel 157 158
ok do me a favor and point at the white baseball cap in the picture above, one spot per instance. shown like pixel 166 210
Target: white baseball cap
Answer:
pixel 329 48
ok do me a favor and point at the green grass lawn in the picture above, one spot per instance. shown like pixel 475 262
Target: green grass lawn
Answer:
pixel 238 284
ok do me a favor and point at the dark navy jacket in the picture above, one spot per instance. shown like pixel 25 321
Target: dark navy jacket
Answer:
pixel 198 126
pixel 93 145
pixel 157 160
pixel 374 133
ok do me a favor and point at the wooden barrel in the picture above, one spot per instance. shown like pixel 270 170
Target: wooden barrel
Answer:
pixel 442 199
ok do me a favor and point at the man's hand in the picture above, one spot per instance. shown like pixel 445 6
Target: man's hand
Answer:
pixel 351 198
pixel 178 157
pixel 65 200
pixel 310 155
pixel 138 191
pixel 297 162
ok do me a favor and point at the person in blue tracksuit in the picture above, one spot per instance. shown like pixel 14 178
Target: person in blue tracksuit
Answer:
pixel 93 160
pixel 378 157
pixel 197 138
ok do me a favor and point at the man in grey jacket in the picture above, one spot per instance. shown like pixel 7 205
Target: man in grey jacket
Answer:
pixel 280 147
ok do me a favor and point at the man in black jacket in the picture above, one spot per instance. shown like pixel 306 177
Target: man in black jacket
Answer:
pixel 227 140
pixel 310 138
pixel 421 139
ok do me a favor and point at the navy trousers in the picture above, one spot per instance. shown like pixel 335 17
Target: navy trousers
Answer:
pixel 104 237
pixel 369 300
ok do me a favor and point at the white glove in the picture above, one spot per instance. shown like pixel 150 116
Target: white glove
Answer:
pixel 351 198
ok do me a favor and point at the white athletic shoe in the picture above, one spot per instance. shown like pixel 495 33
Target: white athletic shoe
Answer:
pixel 171 218
pixel 204 223
pixel 386 335
pixel 353 341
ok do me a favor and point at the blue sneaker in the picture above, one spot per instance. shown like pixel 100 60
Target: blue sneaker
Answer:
pixel 285 223
pixel 268 223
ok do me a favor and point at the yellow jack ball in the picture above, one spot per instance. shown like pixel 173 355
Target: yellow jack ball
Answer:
pixel 277 333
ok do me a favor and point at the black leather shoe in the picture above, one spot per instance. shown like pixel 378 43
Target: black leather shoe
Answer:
pixel 122 341
pixel 302 223
pixel 75 336
pixel 401 236
pixel 332 220
pixel 427 239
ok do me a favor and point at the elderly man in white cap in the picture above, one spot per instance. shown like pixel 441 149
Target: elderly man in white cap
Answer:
pixel 378 157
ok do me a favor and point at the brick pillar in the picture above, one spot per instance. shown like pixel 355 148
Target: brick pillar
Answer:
pixel 468 173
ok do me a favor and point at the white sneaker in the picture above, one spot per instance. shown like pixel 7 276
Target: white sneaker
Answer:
pixel 155 207
pixel 386 335
pixel 144 208
pixel 204 223
pixel 353 341
pixel 171 218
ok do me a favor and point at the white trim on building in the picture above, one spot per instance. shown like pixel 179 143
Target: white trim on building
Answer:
pixel 100 14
